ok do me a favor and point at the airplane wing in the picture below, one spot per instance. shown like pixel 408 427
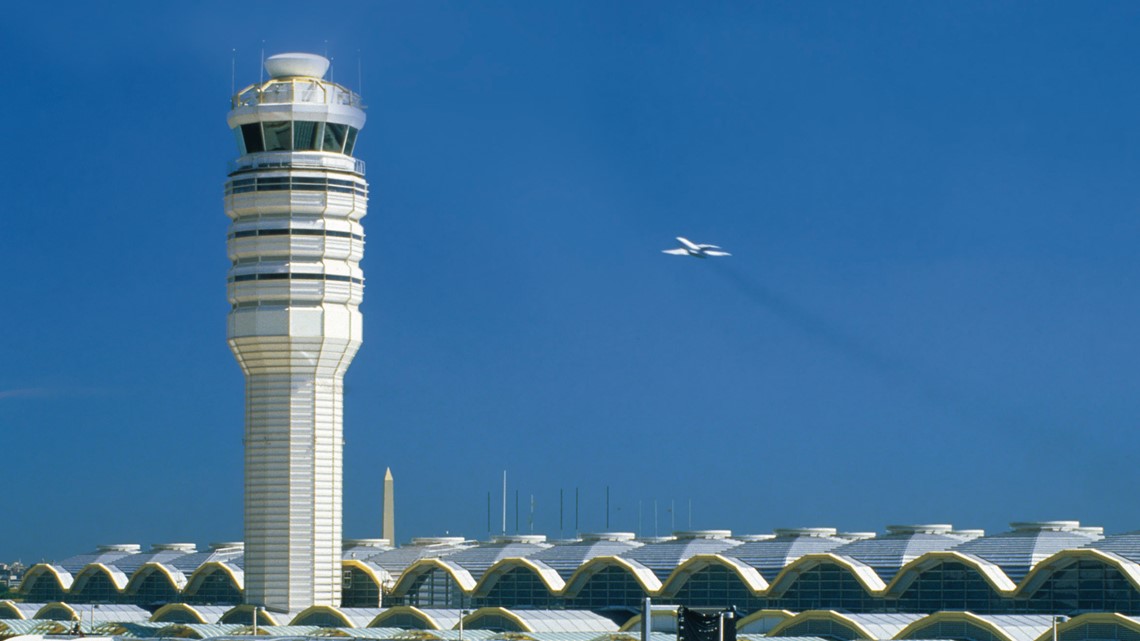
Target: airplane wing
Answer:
pixel 703 246
pixel 717 253
pixel 680 251
pixel 687 243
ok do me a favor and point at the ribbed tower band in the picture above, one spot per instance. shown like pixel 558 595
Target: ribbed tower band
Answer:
pixel 295 197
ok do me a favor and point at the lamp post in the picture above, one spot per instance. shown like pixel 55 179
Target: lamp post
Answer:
pixel 1057 619
pixel 462 615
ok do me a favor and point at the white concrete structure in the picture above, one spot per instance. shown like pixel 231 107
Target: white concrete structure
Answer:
pixel 295 196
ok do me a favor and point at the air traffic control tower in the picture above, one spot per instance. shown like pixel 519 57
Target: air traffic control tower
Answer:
pixel 295 196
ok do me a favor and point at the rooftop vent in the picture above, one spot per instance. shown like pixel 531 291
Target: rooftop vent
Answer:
pixel 932 528
pixel 366 543
pixel 703 534
pixel 856 536
pixel 821 532
pixel 120 547
pixel 609 536
pixel 754 537
pixel 227 546
pixel 424 541
pixel 188 548
pixel 519 538
pixel 1045 526
pixel 289 65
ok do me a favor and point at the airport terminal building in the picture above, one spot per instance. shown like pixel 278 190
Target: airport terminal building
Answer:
pixel 929 581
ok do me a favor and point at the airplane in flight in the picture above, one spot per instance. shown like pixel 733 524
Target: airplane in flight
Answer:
pixel 689 248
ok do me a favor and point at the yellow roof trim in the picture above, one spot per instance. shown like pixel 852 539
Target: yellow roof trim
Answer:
pixel 397 610
pixel 327 609
pixel 694 564
pixel 815 615
pixel 909 573
pixel 762 614
pixel 57 604
pixel 82 578
pixel 459 574
pixel 177 607
pixel 648 581
pixel 957 617
pixel 549 577
pixel 861 572
pixel 1060 560
pixel 150 568
pixel 495 611
pixel 1110 618
pixel 204 570
pixel 62 577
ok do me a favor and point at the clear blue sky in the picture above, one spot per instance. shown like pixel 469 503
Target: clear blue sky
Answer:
pixel 930 314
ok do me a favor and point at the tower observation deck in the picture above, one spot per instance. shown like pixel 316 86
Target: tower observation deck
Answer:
pixel 295 196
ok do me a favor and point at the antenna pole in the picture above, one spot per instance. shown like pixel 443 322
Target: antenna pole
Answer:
pixel 504 501
pixel 576 529
pixel 607 508
pixel 261 72
pixel 561 529
pixel 488 514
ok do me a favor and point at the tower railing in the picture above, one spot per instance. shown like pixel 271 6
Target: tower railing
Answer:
pixel 290 160
pixel 294 90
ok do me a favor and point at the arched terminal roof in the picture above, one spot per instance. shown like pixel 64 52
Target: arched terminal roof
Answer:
pixel 397 560
pixel 477 560
pixel 327 616
pixel 861 572
pixel 538 621
pixel 1066 558
pixel 186 613
pixel 762 621
pixel 1016 552
pixel 410 617
pixel 549 577
pixel 644 577
pixel 565 558
pixel 1097 626
pixel 769 556
pixel 901 544
pixel 967 626
pixel 835 625
pixel 663 557
pixel 991 572
pixel 18 611
pixel 747 574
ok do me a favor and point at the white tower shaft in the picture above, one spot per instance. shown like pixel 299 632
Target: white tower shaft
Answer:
pixel 295 197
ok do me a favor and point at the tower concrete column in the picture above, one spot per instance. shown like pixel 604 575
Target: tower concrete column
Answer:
pixel 295 196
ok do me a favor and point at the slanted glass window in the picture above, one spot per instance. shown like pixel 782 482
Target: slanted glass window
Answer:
pixel 252 135
pixel 306 135
pixel 278 135
pixel 351 142
pixel 240 141
pixel 334 137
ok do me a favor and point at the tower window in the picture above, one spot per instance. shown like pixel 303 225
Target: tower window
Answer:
pixel 334 137
pixel 278 135
pixel 306 135
pixel 350 143
pixel 251 133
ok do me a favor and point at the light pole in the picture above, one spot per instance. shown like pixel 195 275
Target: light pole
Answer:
pixel 1057 619
pixel 462 614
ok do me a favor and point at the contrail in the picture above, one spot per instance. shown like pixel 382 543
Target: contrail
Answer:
pixel 886 366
